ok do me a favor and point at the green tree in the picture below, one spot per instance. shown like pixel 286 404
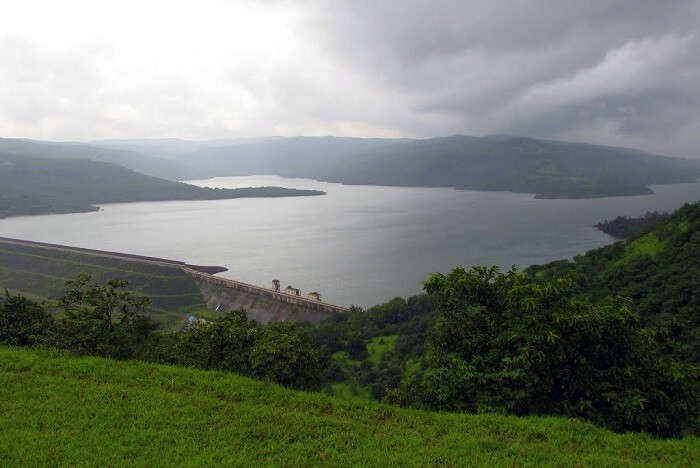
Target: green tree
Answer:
pixel 224 344
pixel 505 343
pixel 102 320
pixel 23 322
pixel 286 354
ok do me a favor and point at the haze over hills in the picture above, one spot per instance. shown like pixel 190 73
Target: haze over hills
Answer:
pixel 140 161
pixel 551 169
pixel 36 185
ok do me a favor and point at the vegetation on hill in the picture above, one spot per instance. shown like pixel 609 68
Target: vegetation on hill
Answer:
pixel 500 343
pixel 658 268
pixel 623 227
pixel 611 337
pixel 107 320
pixel 550 169
pixel 61 410
pixel 638 300
pixel 144 162
pixel 36 186
pixel 42 273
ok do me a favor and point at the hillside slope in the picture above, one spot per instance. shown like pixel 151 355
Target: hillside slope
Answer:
pixel 35 186
pixel 550 169
pixel 41 272
pixel 658 268
pixel 132 158
pixel 60 410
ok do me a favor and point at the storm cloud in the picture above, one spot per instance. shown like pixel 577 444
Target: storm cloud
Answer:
pixel 614 72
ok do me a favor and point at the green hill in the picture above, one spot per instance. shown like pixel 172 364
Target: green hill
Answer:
pixel 58 410
pixel 658 268
pixel 550 169
pixel 128 157
pixel 41 272
pixel 35 186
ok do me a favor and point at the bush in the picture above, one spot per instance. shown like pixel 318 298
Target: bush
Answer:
pixel 503 343
pixel 23 322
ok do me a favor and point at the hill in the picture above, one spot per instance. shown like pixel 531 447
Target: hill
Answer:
pixel 130 157
pixel 285 156
pixel 623 227
pixel 550 169
pixel 658 268
pixel 60 410
pixel 36 186
pixel 41 272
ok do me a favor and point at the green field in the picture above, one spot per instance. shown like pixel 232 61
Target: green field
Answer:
pixel 41 272
pixel 59 410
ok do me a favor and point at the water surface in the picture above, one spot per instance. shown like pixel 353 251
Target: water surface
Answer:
pixel 358 244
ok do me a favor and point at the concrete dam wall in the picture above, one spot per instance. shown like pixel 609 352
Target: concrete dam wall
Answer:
pixel 261 304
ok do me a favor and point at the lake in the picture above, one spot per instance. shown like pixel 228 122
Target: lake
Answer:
pixel 357 245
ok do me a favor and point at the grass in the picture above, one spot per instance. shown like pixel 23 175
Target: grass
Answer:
pixel 377 346
pixel 42 272
pixel 648 245
pixel 59 410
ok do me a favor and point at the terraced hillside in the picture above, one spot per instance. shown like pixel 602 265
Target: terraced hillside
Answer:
pixel 42 271
pixel 59 410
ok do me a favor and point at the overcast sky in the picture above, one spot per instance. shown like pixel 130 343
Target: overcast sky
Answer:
pixel 617 72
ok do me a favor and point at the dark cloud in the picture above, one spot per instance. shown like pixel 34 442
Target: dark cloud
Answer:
pixel 609 71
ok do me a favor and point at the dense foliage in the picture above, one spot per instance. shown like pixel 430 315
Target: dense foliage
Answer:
pixel 644 292
pixel 658 268
pixel 623 227
pixel 550 169
pixel 504 343
pixel 35 186
pixel 106 320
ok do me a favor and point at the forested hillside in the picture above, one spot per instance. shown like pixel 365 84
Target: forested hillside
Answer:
pixel 584 337
pixel 623 227
pixel 36 186
pixel 658 268
pixel 140 161
pixel 550 169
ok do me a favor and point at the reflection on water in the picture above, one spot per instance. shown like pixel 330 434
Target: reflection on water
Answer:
pixel 358 244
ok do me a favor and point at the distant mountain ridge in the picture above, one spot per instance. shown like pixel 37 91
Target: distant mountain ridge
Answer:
pixel 139 161
pixel 40 186
pixel 547 168
pixel 550 169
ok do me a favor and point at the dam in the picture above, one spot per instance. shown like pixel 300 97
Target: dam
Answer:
pixel 219 294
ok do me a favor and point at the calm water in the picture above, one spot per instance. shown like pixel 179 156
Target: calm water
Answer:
pixel 358 244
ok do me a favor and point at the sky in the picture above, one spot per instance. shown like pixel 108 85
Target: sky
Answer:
pixel 616 72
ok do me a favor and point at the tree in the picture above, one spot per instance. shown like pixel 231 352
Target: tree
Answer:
pixel 285 354
pixel 23 322
pixel 102 320
pixel 224 344
pixel 505 343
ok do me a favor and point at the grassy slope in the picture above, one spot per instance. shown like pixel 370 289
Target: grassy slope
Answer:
pixel 61 410
pixel 42 272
